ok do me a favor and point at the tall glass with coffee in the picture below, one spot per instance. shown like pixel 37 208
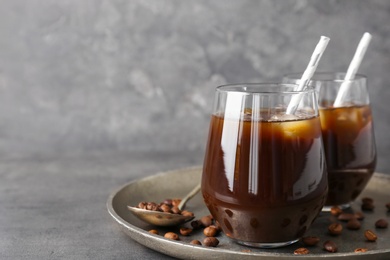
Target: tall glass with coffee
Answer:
pixel 348 135
pixel 264 178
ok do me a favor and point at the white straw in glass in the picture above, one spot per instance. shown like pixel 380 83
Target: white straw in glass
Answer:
pixel 352 69
pixel 311 68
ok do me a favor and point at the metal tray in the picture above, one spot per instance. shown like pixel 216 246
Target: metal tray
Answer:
pixel 175 184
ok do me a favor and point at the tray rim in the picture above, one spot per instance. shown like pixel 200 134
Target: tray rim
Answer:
pixel 139 234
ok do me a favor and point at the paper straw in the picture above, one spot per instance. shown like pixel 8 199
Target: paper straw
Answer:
pixel 352 69
pixel 311 68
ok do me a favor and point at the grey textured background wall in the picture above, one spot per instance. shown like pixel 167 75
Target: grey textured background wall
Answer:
pixel 81 76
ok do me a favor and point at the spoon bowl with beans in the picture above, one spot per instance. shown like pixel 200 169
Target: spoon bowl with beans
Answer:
pixel 164 214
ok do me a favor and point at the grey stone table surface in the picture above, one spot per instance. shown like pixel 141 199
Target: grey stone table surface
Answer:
pixel 54 207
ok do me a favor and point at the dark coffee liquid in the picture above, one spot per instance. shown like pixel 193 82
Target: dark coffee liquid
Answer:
pixel 349 147
pixel 264 181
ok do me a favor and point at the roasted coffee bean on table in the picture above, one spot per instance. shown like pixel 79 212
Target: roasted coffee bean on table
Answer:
pixel 381 223
pixel 354 224
pixel 310 240
pixel 301 251
pixel 210 241
pixel 330 246
pixel 370 235
pixel 171 235
pixel 335 229
pixel 360 250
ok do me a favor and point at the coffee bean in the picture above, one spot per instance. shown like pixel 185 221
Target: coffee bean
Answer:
pixel 217 228
pixel 367 200
pixel 330 246
pixel 187 213
pixel 152 206
pixel 381 223
pixel 353 224
pixel 176 202
pixel 196 224
pixel 165 208
pixel 335 229
pixel 345 216
pixel 206 221
pixel 371 236
pixel 335 211
pixel 185 231
pixel 210 241
pixel 301 251
pixel 142 205
pixel 168 202
pixel 153 231
pixel 388 206
pixel 175 210
pixel 196 242
pixel 171 235
pixel 368 206
pixel 310 241
pixel 210 231
pixel 360 250
pixel 359 215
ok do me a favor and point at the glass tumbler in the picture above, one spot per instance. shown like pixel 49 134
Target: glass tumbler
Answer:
pixel 348 135
pixel 264 178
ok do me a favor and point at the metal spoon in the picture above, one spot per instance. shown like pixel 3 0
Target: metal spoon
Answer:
pixel 158 218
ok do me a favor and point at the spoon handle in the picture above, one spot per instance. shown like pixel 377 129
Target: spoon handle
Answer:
pixel 192 193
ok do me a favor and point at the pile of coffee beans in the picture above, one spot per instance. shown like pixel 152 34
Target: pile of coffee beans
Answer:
pixel 167 206
pixel 353 222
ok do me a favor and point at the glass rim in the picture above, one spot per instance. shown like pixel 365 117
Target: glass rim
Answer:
pixel 358 76
pixel 238 88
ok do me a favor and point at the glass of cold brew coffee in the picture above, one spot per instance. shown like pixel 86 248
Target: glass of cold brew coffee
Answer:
pixel 264 178
pixel 348 135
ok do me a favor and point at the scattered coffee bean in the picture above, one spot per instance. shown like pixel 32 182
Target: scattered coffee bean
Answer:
pixel 335 211
pixel 330 246
pixel 301 251
pixel 171 235
pixel 206 221
pixel 310 241
pixel 371 236
pixel 218 228
pixel 185 231
pixel 210 241
pixel 335 229
pixel 388 206
pixel 368 206
pixel 196 224
pixel 359 215
pixel 210 231
pixel 381 223
pixel 345 216
pixel 153 231
pixel 354 224
pixel 360 250
pixel 367 200
pixel 196 242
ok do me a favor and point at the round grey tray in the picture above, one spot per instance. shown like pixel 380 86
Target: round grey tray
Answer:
pixel 175 184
